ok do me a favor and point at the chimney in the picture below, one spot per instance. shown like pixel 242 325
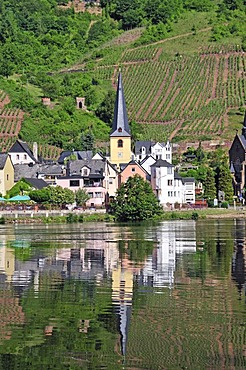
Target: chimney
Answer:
pixel 68 168
pixel 35 150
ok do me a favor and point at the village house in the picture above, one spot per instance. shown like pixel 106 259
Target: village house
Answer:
pixel 131 169
pixel 6 173
pixel 98 177
pixel 20 153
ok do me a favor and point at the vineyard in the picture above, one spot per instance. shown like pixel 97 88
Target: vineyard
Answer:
pixel 186 96
pixel 10 125
pixel 10 122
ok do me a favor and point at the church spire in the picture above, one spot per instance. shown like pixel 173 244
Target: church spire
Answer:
pixel 120 127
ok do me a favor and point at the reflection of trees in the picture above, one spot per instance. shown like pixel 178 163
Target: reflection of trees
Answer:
pixel 68 323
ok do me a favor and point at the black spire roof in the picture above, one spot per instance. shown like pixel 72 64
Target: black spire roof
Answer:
pixel 120 125
pixel 244 126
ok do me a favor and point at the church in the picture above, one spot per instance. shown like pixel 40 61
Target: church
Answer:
pixel 152 161
pixel 237 157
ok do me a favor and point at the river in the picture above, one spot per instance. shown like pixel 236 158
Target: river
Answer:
pixel 168 295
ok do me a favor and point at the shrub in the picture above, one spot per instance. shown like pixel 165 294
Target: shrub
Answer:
pixel 224 205
pixel 2 220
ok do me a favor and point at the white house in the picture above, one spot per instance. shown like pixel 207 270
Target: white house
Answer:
pixel 156 150
pixel 20 153
pixel 169 186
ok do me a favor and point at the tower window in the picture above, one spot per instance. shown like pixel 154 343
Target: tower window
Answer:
pixel 120 143
pixel 119 129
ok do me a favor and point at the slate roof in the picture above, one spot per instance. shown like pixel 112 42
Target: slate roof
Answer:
pixel 96 166
pixel 161 163
pixel 37 183
pixel 134 163
pixel 188 179
pixel 3 159
pixel 26 170
pixel 80 154
pixel 22 147
pixel 120 126
pixel 139 144
pixel 177 176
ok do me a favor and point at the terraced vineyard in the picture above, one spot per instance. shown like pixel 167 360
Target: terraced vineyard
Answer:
pixel 10 122
pixel 189 96
pixel 10 125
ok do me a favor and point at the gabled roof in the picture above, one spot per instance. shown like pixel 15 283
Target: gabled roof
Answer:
pixel 3 159
pixel 188 179
pixel 26 170
pixel 36 183
pixel 22 147
pixel 120 126
pixel 134 163
pixel 96 166
pixel 80 154
pixel 161 163
pixel 146 158
pixel 146 144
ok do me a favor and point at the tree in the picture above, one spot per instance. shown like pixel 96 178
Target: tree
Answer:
pixel 81 197
pixel 105 111
pixel 225 182
pixel 209 185
pixel 55 195
pixel 135 201
pixel 87 141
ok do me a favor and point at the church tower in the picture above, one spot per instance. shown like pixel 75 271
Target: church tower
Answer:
pixel 120 137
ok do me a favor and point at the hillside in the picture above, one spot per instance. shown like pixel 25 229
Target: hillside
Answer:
pixel 183 75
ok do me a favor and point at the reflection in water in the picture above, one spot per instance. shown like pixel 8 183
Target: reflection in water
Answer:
pixel 89 294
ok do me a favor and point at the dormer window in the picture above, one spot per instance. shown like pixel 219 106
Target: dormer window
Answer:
pixel 85 172
pixel 120 143
pixel 119 129
pixel 143 150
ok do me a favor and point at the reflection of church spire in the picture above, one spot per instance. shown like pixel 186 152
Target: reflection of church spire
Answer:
pixel 238 268
pixel 122 290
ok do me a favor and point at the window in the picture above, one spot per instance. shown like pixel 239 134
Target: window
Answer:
pixel 168 156
pixel 133 169
pixel 119 129
pixel 17 156
pixel 143 150
pixel 74 183
pixel 170 193
pixel 169 170
pixel 85 171
pixel 110 180
pixel 98 195
pixel 174 193
pixel 170 182
pixel 7 177
pixel 120 143
pixel 25 156
pixel 120 154
pixel 90 195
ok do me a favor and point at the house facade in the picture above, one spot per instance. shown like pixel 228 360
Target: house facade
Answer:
pixel 6 173
pixel 20 153
pixel 131 169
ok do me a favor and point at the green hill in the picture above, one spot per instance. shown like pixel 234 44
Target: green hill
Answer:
pixel 184 76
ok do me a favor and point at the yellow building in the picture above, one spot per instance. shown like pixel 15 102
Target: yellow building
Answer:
pixel 6 173
pixel 120 137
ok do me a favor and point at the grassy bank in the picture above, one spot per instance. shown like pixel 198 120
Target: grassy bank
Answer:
pixel 104 217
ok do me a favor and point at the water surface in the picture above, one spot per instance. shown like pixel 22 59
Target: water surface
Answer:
pixel 102 296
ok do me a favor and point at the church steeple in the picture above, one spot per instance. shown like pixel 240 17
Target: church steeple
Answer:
pixel 120 125
pixel 120 137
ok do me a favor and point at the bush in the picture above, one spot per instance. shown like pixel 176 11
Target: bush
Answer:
pixel 224 205
pixel 2 220
pixel 194 216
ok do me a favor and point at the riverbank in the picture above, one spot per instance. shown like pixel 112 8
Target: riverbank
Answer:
pixel 57 216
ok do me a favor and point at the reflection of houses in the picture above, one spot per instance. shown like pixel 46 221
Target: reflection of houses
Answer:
pixel 160 267
pixel 122 292
pixel 7 262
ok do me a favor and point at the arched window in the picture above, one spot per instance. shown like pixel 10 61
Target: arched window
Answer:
pixel 120 143
pixel 119 129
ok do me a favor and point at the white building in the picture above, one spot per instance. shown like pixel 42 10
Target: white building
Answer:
pixel 169 186
pixel 156 150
